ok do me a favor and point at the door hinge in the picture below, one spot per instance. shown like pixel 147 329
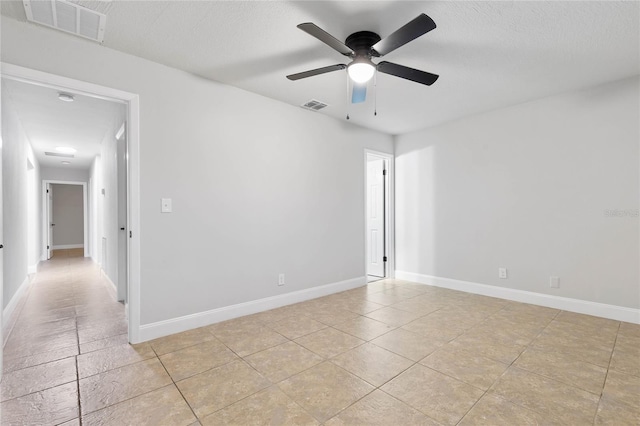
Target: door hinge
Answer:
pixel 384 172
pixel 384 258
pixel 47 247
pixel 130 234
pixel 47 191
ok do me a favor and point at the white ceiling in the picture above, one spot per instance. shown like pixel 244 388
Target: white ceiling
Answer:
pixel 488 54
pixel 49 122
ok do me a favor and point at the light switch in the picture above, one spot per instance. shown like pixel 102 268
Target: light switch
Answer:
pixel 166 205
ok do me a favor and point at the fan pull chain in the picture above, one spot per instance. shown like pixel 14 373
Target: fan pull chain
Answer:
pixel 347 96
pixel 375 93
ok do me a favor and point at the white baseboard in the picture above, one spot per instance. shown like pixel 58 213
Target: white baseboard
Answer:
pixel 33 268
pixel 619 313
pixel 113 286
pixel 8 317
pixel 200 319
pixel 13 303
pixel 67 246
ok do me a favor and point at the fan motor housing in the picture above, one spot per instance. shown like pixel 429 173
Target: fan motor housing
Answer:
pixel 362 41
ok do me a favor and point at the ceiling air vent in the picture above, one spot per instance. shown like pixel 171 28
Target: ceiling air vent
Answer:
pixel 67 17
pixel 58 154
pixel 314 105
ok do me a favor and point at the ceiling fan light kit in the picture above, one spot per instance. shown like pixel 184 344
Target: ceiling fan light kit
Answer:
pixel 361 70
pixel 362 46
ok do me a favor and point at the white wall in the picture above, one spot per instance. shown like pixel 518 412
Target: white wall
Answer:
pixel 528 188
pixel 68 215
pixel 95 211
pixel 65 174
pixel 258 187
pixel 34 210
pixel 18 196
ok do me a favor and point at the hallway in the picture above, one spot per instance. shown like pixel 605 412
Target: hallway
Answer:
pixel 391 352
pixel 68 317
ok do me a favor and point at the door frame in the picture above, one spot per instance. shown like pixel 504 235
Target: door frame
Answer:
pixel 121 287
pixel 389 213
pixel 45 215
pixel 132 101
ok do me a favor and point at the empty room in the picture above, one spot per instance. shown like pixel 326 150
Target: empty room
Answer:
pixel 320 213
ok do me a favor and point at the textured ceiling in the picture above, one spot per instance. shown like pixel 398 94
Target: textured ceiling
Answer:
pixel 488 54
pixel 49 122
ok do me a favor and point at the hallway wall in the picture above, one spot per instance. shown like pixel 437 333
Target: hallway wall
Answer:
pixel 95 210
pixel 18 196
pixel 34 211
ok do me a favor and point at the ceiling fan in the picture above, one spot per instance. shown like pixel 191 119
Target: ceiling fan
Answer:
pixel 362 46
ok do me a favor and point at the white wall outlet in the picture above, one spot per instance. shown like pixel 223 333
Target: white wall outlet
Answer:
pixel 281 279
pixel 166 205
pixel 554 282
pixel 502 273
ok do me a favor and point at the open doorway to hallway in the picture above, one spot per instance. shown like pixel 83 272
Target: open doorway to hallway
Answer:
pixel 76 180
pixel 378 215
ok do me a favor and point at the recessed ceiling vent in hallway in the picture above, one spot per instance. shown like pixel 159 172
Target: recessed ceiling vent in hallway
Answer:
pixel 67 17
pixel 314 105
pixel 58 154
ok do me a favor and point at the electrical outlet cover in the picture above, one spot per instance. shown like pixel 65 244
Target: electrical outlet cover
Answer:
pixel 502 273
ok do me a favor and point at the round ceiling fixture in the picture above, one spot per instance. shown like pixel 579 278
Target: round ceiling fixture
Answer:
pixel 66 149
pixel 361 70
pixel 65 97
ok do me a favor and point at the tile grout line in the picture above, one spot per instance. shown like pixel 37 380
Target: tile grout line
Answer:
pixel 606 376
pixel 586 362
pixel 175 385
pixel 507 369
pixel 240 358
pixel 537 374
pixel 375 388
pixel 133 397
pixel 485 391
pixel 80 419
pixel 67 277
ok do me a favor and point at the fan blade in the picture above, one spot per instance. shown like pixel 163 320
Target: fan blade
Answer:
pixel 326 38
pixel 317 71
pixel 359 93
pixel 411 31
pixel 407 73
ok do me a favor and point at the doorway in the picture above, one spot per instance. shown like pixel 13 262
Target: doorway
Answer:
pixel 65 217
pixel 378 215
pixel 132 183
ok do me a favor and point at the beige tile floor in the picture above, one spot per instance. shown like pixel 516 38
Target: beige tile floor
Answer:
pixel 390 353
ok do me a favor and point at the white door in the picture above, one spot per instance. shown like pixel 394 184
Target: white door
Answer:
pixel 375 216
pixel 1 261
pixel 121 167
pixel 50 220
